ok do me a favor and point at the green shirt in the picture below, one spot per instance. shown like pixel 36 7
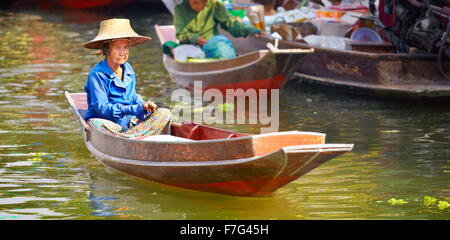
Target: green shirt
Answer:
pixel 190 25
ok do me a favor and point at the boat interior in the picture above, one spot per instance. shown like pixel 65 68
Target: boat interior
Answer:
pixel 194 131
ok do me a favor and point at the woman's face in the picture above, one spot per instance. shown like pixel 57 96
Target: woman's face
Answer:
pixel 119 51
pixel 197 5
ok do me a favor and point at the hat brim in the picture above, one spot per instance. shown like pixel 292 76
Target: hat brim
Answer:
pixel 98 43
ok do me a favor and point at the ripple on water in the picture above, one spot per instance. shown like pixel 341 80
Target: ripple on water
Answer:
pixel 28 214
pixel 22 154
pixel 27 179
pixel 14 145
pixel 20 200
pixel 19 164
pixel 9 216
pixel 24 96
pixel 9 185
pixel 38 211
pixel 21 190
pixel 34 68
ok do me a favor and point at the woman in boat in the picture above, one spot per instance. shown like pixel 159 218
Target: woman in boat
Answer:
pixel 113 103
pixel 196 22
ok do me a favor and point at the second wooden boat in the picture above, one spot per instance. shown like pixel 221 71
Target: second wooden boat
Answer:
pixel 370 69
pixel 208 159
pixel 259 69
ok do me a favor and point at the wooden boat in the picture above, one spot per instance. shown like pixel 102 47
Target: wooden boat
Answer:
pixel 371 69
pixel 259 69
pixel 209 159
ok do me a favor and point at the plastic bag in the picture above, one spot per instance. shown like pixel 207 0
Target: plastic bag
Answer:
pixel 219 47
pixel 185 51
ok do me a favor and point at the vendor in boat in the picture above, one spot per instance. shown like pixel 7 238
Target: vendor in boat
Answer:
pixel 196 22
pixel 113 103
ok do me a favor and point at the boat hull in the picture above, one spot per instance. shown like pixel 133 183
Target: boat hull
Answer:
pixel 251 177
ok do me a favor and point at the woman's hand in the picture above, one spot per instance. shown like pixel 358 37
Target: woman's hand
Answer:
pixel 201 41
pixel 150 106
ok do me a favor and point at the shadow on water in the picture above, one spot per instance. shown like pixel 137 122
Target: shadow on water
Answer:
pixel 46 172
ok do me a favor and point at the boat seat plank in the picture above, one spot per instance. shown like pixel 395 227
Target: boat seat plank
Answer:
pixel 193 132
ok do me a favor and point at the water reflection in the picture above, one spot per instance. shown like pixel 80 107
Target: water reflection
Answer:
pixel 140 199
pixel 101 206
pixel 401 149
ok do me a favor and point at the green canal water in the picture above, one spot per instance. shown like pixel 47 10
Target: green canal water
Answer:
pixel 401 151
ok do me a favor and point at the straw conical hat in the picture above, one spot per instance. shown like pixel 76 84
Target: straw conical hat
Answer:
pixel 114 29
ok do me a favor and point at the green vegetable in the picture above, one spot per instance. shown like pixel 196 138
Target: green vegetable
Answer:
pixel 428 201
pixel 442 205
pixel 394 201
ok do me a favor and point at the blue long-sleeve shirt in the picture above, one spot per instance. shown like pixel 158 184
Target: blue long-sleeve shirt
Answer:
pixel 111 98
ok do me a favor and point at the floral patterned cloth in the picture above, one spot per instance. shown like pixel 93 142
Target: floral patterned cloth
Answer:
pixel 155 124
